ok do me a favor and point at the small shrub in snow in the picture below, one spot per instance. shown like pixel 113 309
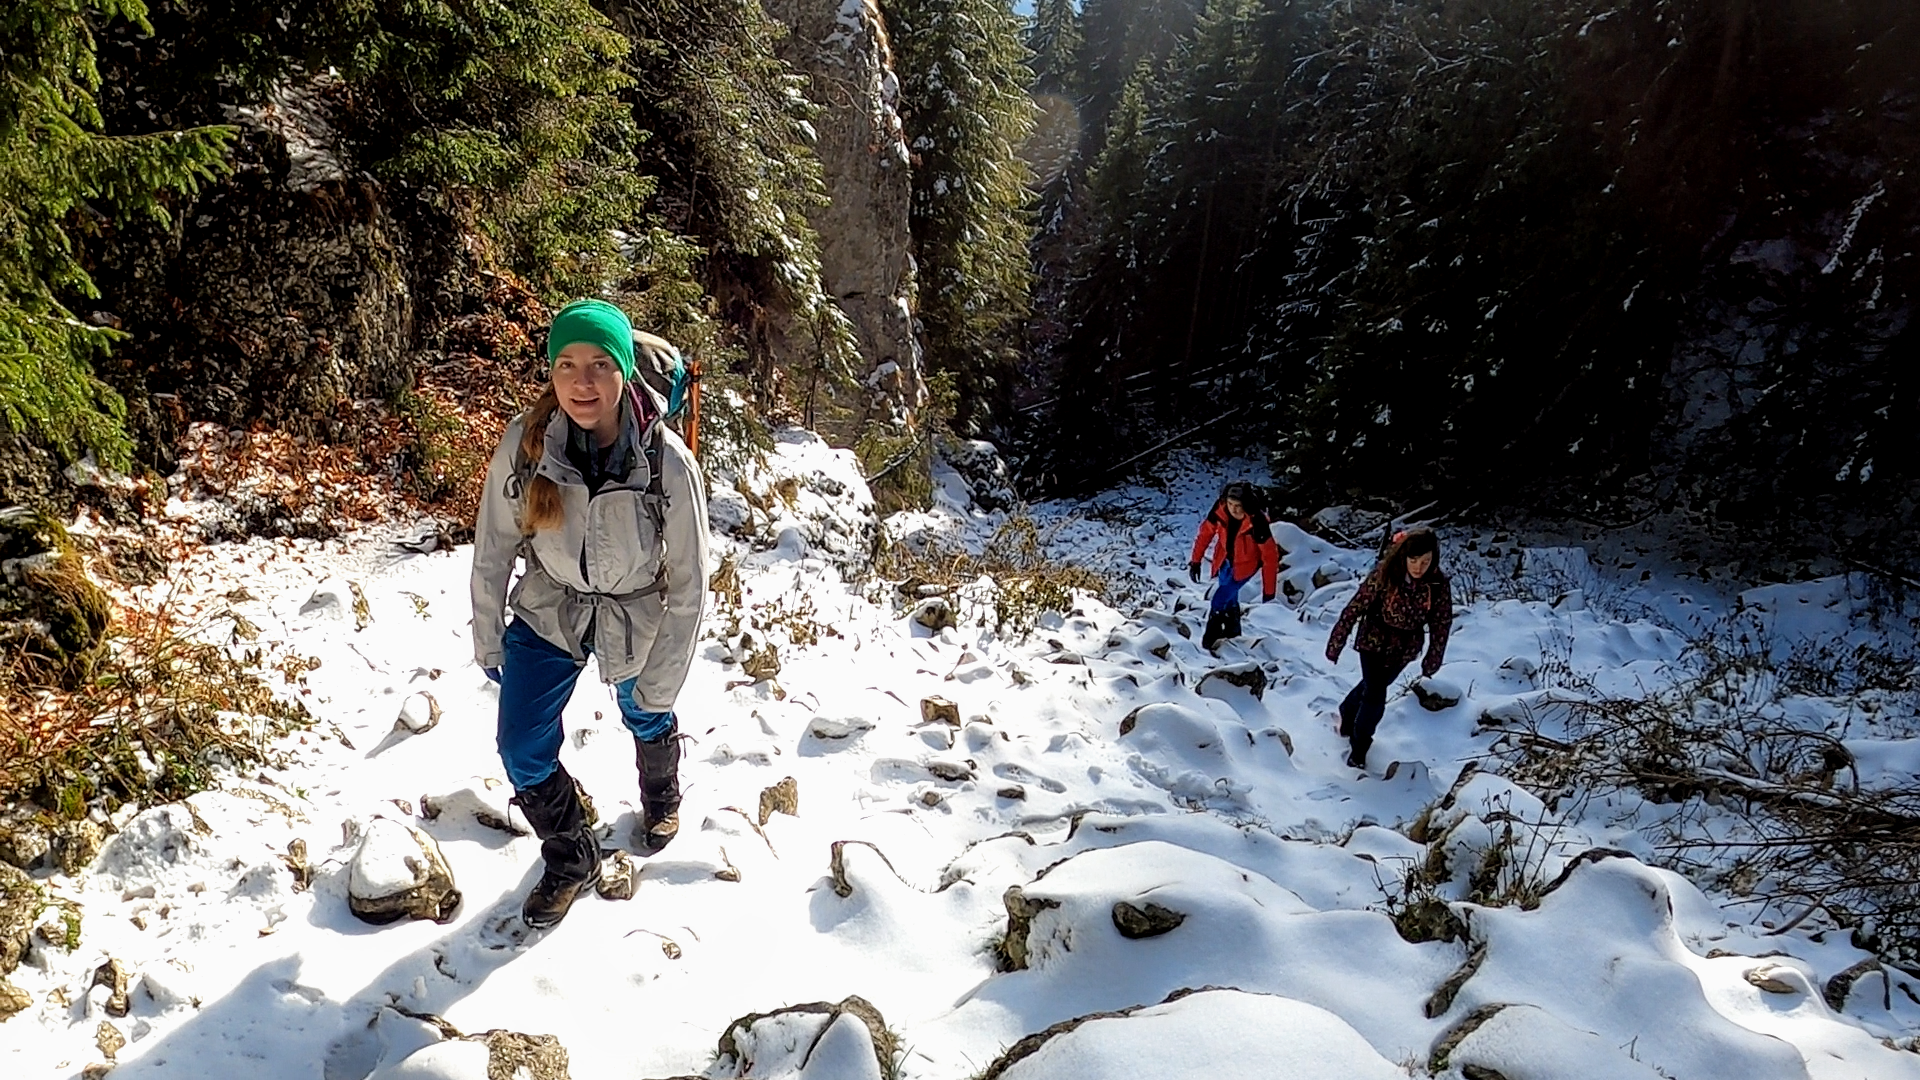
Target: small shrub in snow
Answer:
pixel 1756 795
pixel 1017 580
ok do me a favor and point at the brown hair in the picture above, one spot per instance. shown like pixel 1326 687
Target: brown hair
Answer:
pixel 542 509
pixel 1392 567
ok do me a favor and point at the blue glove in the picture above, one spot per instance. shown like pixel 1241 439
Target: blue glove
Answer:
pixel 492 673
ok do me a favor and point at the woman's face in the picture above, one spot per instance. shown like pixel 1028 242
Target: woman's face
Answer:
pixel 588 384
pixel 1235 510
pixel 1418 565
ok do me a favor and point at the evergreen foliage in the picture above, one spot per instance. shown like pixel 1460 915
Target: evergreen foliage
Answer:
pixel 60 177
pixel 1502 243
pixel 505 115
pixel 964 101
pixel 1120 35
pixel 1054 45
pixel 732 146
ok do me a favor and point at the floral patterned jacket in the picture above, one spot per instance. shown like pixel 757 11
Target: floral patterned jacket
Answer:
pixel 1394 619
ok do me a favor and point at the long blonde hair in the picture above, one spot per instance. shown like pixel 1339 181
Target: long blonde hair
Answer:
pixel 543 508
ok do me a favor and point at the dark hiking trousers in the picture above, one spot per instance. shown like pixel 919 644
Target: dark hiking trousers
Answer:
pixel 1368 700
pixel 536 680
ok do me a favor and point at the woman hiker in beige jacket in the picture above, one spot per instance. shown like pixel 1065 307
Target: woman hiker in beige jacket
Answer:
pixel 607 507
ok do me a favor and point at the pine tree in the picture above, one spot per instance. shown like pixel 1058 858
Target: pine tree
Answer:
pixel 966 110
pixel 60 173
pixel 1119 35
pixel 731 144
pixel 1054 40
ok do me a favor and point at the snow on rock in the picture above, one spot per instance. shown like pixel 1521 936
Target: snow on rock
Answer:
pixel 1179 750
pixel 972 477
pixel 815 1041
pixel 803 499
pixel 456 1059
pixel 1522 1042
pixel 1240 929
pixel 419 714
pixel 1437 695
pixel 1172 839
pixel 155 847
pixel 1612 924
pixel 1201 1036
pixel 398 872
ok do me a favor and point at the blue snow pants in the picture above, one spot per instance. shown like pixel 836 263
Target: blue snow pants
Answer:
pixel 1228 593
pixel 536 680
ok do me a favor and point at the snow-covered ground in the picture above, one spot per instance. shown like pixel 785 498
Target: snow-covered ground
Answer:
pixel 1156 848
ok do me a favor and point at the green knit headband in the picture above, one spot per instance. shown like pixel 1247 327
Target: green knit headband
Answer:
pixel 594 322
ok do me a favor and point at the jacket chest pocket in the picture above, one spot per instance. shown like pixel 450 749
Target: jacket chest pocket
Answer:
pixel 622 546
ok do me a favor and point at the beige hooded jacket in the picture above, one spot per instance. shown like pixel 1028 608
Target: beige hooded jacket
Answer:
pixel 596 574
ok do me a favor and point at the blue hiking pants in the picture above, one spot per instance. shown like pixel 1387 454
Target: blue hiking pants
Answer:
pixel 1227 594
pixel 536 680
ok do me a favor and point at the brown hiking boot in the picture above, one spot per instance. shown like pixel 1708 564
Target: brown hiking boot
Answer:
pixel 656 831
pixel 552 897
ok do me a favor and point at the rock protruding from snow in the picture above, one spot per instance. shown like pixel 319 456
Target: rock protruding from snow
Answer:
pixel 935 613
pixel 838 728
pixel 780 798
pixel 939 710
pixel 617 877
pixel 1199 1035
pixel 25 837
pixel 1021 911
pixel 113 976
pixel 75 844
pixel 814 1041
pixel 534 1057
pixel 13 999
pixel 1437 695
pixel 19 905
pixel 1145 920
pixel 1246 676
pixel 419 714
pixel 398 872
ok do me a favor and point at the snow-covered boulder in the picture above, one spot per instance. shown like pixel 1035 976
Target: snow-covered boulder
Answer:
pixel 1521 1040
pixel 1246 676
pixel 980 471
pixel 814 1041
pixel 803 499
pixel 398 872
pixel 1199 1036
pixel 1437 695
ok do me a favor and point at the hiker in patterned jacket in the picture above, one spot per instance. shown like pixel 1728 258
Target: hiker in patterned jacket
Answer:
pixel 1242 542
pixel 1405 598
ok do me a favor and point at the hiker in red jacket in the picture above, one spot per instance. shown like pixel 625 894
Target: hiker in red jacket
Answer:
pixel 1400 603
pixel 1242 543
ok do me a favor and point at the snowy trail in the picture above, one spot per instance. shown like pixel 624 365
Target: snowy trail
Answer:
pixel 1096 764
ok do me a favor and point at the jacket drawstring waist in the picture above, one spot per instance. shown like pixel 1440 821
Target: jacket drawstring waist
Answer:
pixel 601 604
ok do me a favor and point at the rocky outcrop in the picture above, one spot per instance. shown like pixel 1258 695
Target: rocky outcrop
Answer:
pixel 866 263
pixel 53 618
pixel 281 294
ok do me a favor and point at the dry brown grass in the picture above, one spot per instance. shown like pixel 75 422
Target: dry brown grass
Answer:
pixel 1027 582
pixel 159 712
